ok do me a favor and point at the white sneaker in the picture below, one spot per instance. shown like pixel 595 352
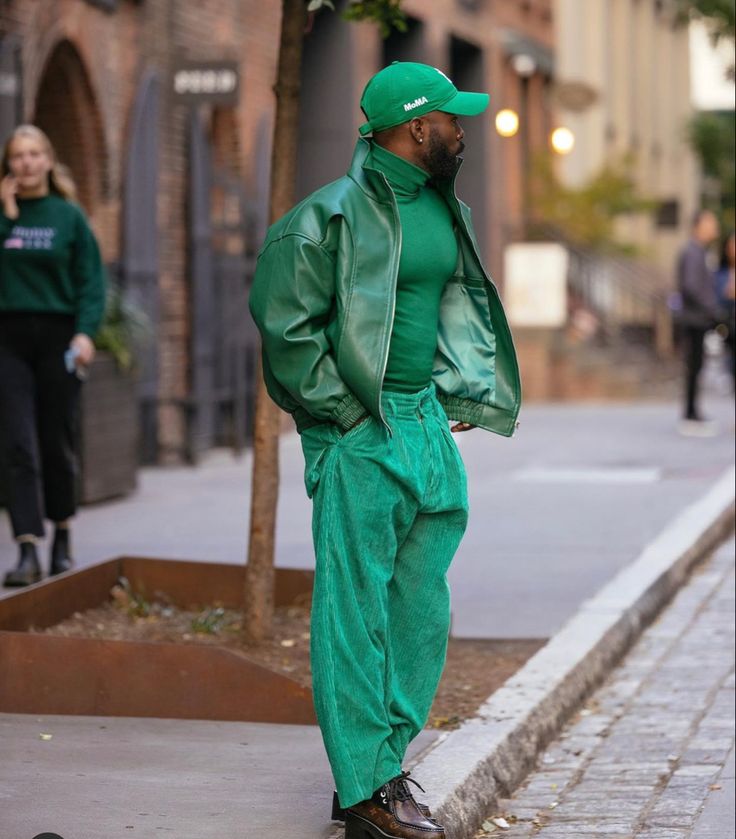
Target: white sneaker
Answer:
pixel 698 428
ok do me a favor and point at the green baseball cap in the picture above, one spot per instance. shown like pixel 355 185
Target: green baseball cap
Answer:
pixel 405 90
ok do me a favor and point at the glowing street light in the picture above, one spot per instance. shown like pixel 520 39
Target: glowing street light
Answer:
pixel 562 140
pixel 507 122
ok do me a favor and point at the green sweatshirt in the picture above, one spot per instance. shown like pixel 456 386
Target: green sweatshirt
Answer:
pixel 429 252
pixel 50 262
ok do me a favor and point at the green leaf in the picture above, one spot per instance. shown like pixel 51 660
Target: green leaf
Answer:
pixel 585 215
pixel 386 13
pixel 720 15
pixel 125 327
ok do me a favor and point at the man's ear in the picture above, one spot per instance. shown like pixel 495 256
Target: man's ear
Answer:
pixel 418 129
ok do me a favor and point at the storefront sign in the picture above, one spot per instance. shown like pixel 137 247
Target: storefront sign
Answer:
pixel 535 284
pixel 217 82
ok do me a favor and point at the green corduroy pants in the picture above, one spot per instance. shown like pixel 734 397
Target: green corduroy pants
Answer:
pixel 389 513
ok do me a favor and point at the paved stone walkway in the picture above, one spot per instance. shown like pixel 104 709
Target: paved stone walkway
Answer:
pixel 649 755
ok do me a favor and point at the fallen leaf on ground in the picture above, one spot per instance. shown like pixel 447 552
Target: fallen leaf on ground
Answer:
pixel 45 736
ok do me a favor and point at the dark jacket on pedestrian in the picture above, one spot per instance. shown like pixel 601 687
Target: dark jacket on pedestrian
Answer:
pixel 700 309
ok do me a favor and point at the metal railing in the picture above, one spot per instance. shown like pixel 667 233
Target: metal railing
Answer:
pixel 623 298
pixel 627 296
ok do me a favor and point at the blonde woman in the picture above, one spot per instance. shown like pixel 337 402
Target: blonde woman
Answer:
pixel 52 297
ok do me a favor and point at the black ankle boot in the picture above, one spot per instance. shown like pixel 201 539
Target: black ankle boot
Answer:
pixel 28 569
pixel 61 559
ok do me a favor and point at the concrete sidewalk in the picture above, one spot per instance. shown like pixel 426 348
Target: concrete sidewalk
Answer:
pixel 113 777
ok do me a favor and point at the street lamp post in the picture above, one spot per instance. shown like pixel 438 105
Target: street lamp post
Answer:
pixel 525 67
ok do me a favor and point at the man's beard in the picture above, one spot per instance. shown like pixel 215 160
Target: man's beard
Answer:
pixel 439 161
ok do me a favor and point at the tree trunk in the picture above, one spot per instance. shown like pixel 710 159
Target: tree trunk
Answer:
pixel 260 575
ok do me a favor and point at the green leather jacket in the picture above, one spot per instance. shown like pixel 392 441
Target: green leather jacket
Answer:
pixel 323 299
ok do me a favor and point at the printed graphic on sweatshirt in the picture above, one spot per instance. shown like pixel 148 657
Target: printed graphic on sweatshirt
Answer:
pixel 31 238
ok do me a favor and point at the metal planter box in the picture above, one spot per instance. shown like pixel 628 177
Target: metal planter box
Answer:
pixel 46 674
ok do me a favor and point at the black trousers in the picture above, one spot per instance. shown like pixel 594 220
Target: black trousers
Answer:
pixel 693 348
pixel 39 405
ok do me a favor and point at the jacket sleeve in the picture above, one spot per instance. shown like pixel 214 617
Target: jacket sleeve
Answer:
pixel 291 301
pixel 697 287
pixel 89 277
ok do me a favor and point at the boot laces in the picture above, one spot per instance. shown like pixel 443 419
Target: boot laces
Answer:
pixel 398 789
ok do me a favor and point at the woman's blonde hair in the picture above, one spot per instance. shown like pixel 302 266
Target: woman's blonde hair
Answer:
pixel 60 179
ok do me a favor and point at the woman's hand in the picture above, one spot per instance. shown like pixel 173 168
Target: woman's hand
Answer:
pixel 8 191
pixel 85 348
pixel 461 426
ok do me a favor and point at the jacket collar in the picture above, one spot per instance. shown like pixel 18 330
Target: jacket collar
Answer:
pixel 373 183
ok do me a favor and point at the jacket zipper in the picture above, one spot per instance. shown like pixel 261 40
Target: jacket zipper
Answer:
pixel 395 273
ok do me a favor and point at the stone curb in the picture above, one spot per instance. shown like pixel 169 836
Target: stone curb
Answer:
pixel 489 755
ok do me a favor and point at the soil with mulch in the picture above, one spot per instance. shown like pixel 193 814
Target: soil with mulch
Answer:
pixel 474 669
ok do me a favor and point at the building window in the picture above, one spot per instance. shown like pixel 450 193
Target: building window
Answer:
pixel 668 213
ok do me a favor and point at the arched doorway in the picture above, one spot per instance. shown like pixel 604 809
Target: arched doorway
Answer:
pixel 67 111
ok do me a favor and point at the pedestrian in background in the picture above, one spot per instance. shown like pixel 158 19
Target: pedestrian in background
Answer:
pixel 52 298
pixel 726 293
pixel 700 313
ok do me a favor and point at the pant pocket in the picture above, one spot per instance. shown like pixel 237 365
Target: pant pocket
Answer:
pixel 316 442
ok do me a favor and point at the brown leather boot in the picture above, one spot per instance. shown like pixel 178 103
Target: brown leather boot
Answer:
pixel 391 813
pixel 338 813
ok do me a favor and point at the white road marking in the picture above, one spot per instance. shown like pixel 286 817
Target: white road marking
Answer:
pixel 583 475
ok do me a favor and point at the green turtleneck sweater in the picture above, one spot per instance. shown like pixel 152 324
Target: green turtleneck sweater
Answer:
pixel 428 258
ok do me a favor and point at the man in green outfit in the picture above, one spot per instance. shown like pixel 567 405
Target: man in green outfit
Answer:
pixel 379 323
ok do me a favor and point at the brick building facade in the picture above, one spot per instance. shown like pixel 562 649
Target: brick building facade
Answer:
pixel 177 194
